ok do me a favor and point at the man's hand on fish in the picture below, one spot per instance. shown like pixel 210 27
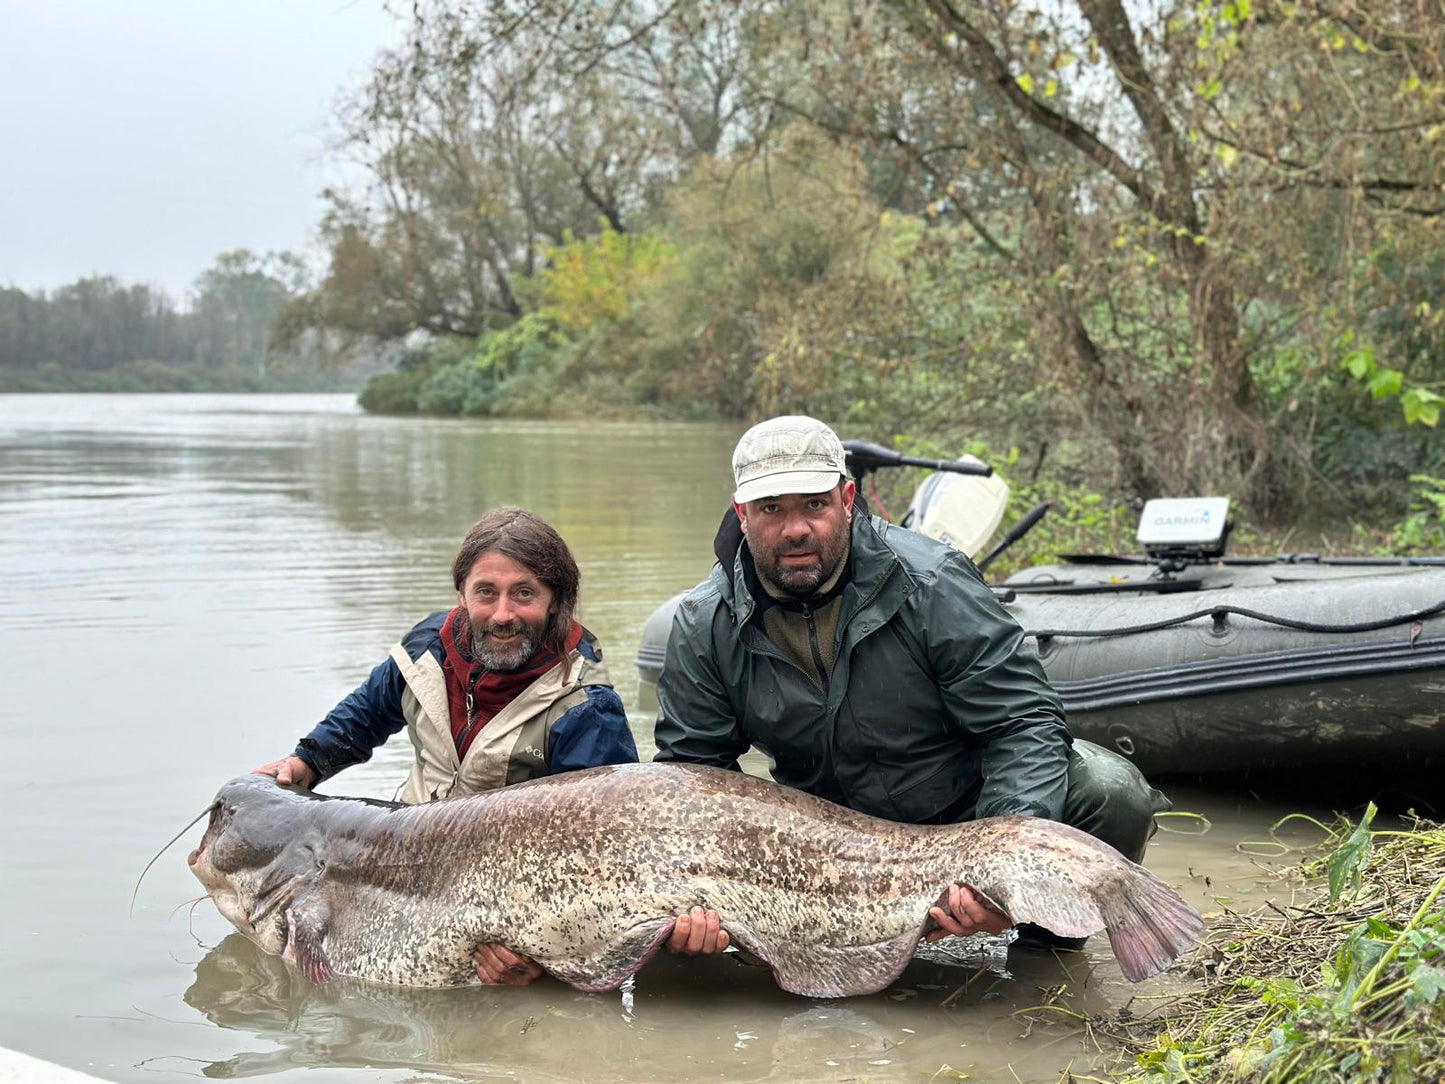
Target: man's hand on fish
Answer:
pixel 499 966
pixel 288 772
pixel 698 933
pixel 966 914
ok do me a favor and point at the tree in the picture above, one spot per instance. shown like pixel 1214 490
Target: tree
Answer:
pixel 482 153
pixel 236 302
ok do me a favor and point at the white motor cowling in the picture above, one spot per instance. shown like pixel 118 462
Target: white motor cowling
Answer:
pixel 960 510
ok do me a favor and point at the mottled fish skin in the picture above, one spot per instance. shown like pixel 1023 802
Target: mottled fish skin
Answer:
pixel 585 872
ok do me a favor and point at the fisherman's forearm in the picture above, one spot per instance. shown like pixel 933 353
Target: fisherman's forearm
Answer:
pixel 1026 772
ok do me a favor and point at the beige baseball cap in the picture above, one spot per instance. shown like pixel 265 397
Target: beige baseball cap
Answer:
pixel 790 454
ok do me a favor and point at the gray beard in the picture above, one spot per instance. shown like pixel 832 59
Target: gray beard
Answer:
pixel 504 658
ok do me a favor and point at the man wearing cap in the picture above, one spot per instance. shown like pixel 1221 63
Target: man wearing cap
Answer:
pixel 875 669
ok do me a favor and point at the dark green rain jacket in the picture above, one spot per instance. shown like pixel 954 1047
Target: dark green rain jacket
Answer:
pixel 934 711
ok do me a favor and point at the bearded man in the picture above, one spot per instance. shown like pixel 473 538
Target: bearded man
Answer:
pixel 876 669
pixel 505 687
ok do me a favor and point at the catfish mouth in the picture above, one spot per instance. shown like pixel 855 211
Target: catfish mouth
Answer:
pixel 246 905
pixel 214 827
pixel 223 890
pixel 234 870
pixel 218 886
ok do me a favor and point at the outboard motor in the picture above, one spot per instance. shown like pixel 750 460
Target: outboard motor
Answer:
pixel 960 510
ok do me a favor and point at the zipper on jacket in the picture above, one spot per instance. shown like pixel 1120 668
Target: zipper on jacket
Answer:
pixel 471 720
pixel 830 732
pixel 817 652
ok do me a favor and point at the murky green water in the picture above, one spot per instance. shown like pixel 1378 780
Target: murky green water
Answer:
pixel 187 583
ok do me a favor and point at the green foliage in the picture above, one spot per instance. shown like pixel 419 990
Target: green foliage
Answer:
pixel 1423 530
pixel 508 372
pixel 1078 521
pixel 743 208
pixel 391 393
pixel 1374 1010
pixel 597 280
pixel 512 372
pixel 1347 864
pixel 237 301
pixel 397 392
pixel 97 334
pixel 758 239
pixel 462 388
pixel 1419 405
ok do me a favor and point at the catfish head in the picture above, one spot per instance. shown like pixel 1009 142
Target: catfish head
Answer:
pixel 260 851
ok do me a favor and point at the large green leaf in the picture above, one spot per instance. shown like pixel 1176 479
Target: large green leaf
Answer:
pixel 1349 860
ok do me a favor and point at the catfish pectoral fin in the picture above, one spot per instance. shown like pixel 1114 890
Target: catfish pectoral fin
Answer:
pixel 305 943
pixel 745 958
pixel 821 969
pixel 614 962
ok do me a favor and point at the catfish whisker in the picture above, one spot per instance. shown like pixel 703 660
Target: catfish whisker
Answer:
pixel 204 813
pixel 191 922
pixel 186 903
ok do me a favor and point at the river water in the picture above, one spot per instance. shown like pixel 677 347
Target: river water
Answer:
pixel 187 583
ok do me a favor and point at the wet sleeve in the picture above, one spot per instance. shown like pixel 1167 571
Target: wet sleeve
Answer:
pixel 592 734
pixel 996 692
pixel 696 721
pixel 357 725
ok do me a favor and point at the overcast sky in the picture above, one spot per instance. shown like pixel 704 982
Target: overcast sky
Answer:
pixel 140 138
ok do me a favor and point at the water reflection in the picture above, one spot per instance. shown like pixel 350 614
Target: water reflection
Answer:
pixel 686 1019
pixel 477 1033
pixel 468 1033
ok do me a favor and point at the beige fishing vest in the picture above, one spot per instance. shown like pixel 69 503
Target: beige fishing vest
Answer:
pixel 510 748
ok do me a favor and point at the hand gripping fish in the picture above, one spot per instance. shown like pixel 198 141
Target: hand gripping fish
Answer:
pixel 585 872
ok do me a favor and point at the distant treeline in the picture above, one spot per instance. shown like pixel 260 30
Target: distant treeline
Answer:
pixel 99 334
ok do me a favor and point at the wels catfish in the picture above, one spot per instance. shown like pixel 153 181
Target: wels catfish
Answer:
pixel 586 872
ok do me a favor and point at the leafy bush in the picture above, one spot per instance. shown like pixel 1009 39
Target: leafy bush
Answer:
pixel 1423 530
pixel 452 389
pixel 398 392
pixel 512 372
pixel 596 280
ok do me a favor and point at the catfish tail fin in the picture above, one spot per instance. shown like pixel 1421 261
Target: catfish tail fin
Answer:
pixel 1073 885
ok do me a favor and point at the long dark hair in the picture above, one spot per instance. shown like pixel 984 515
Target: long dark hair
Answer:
pixel 530 541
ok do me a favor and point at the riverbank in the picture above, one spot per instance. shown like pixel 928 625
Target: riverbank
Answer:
pixel 1343 978
pixel 152 377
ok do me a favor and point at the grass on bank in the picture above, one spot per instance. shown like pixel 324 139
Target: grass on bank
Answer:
pixel 1348 985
